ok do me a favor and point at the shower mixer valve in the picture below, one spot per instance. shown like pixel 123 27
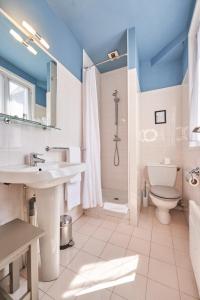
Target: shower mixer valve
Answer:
pixel 116 138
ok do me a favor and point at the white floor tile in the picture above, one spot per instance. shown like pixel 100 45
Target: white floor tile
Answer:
pixel 109 225
pixel 162 238
pixel 139 246
pixel 67 286
pixel 46 297
pixel 145 223
pixel 102 234
pixel 116 297
pixel 133 287
pixel 181 245
pixel 79 223
pixel 119 239
pixel 165 254
pixel 183 260
pixel 142 233
pixel 67 255
pixel 180 231
pixel 90 294
pixel 187 297
pixel 157 291
pixel 83 263
pixel 142 262
pixel 163 273
pixel 87 229
pixel 95 221
pixel 157 226
pixel 45 285
pixel 41 294
pixel 187 282
pixel 111 252
pixel 79 240
pixel 125 229
pixel 94 246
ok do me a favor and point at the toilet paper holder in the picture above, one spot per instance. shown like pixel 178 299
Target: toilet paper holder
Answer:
pixel 195 172
pixel 193 176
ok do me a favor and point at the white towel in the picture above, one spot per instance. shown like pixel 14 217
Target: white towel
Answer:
pixel 73 155
pixel 73 187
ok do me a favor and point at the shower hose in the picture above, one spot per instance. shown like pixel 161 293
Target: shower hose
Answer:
pixel 116 155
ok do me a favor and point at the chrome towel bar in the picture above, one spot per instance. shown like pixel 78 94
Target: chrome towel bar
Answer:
pixel 47 148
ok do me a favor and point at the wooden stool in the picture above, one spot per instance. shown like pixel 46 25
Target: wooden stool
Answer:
pixel 16 238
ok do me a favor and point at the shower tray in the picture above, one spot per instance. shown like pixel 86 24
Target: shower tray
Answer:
pixel 115 200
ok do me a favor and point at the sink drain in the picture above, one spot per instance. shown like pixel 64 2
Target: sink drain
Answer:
pixel 116 198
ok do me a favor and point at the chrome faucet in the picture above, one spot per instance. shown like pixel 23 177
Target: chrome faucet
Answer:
pixel 34 159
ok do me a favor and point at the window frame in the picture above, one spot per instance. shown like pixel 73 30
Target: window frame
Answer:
pixel 10 76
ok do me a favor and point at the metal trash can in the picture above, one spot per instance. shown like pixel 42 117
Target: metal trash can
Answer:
pixel 66 239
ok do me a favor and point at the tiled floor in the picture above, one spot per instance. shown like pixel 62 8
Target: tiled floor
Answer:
pixel 113 260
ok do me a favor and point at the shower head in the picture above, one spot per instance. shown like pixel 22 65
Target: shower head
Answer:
pixel 116 99
pixel 115 93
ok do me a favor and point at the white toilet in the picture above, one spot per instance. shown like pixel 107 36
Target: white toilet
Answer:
pixel 162 179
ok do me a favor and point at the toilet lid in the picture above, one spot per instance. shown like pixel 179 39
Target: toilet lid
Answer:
pixel 166 192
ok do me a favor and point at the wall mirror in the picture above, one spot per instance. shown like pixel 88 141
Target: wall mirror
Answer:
pixel 28 76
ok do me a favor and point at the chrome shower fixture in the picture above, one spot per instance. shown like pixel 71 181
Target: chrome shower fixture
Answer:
pixel 116 137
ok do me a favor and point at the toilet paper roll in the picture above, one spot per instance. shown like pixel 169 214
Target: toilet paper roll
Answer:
pixel 194 181
pixel 167 161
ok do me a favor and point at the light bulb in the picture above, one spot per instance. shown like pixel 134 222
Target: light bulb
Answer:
pixel 31 49
pixel 16 36
pixel 44 43
pixel 29 28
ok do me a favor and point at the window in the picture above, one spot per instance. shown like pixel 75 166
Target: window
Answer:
pixel 16 95
pixel 18 104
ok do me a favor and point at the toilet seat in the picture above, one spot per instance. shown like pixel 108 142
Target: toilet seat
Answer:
pixel 165 192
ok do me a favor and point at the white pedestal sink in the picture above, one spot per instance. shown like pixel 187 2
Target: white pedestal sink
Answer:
pixel 46 182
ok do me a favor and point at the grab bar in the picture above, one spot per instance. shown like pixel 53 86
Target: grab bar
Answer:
pixel 47 148
pixel 55 148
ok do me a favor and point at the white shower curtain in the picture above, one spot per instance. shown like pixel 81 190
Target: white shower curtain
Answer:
pixel 92 192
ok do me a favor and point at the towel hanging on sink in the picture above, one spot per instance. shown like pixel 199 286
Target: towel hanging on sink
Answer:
pixel 73 187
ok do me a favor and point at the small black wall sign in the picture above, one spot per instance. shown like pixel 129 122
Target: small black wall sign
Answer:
pixel 160 117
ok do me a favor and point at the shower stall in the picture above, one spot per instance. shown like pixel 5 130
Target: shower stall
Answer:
pixel 118 123
pixel 114 139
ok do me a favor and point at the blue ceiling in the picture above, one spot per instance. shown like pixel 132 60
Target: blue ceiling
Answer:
pixel 100 26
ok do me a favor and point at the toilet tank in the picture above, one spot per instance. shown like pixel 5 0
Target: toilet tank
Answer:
pixel 160 174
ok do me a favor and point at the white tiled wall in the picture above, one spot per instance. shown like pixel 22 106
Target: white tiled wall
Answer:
pixel 161 140
pixel 19 140
pixel 114 177
pixel 134 164
pixel 191 156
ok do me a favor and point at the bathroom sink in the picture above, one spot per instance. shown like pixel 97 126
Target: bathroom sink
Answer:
pixel 45 182
pixel 42 176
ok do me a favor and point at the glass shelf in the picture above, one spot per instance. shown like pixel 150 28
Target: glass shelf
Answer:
pixel 16 120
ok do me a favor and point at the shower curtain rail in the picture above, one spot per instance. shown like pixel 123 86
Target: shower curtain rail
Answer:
pixel 105 61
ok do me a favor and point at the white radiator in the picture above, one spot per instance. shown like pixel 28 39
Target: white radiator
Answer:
pixel 194 230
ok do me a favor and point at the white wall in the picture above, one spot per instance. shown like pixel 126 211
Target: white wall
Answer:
pixel 115 178
pixel 190 155
pixel 134 173
pixel 16 141
pixel 161 140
